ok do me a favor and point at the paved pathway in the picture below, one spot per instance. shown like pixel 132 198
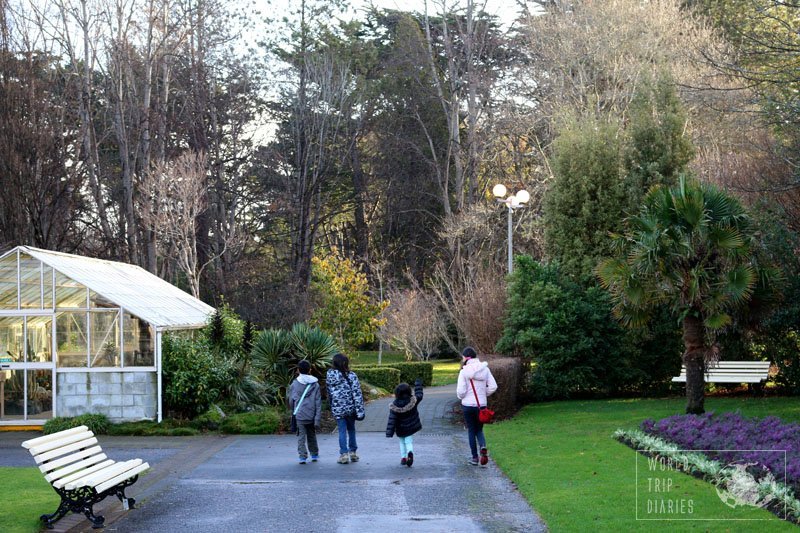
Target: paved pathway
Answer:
pixel 252 483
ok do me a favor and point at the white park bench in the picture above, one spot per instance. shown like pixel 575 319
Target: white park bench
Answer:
pixel 76 467
pixel 732 372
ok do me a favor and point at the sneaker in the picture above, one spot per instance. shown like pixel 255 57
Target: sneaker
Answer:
pixel 344 459
pixel 353 457
pixel 403 461
pixel 302 460
pixel 314 458
pixel 473 461
pixel 484 457
pixel 410 460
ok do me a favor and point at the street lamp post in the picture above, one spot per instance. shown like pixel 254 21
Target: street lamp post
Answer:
pixel 513 201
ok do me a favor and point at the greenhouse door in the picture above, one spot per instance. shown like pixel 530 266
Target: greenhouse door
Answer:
pixel 27 370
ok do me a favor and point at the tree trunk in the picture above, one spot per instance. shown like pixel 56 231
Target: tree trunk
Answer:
pixel 694 359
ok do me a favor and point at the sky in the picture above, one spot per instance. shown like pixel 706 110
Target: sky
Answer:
pixel 505 10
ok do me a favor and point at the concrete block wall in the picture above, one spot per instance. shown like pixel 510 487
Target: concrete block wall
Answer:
pixel 121 396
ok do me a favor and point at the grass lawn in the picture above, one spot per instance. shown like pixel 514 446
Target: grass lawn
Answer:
pixel 24 496
pixel 371 357
pixel 563 458
pixel 445 372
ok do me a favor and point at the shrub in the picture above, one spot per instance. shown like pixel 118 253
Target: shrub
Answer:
pixel 276 353
pixel 409 372
pixel 148 428
pixel 382 376
pixel 577 346
pixel 343 304
pixel 97 423
pixel 507 371
pixel 193 376
pixel 263 422
pixel 210 420
pixel 225 331
pixel 568 332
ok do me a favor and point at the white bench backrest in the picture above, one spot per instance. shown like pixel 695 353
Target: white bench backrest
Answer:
pixel 28 444
pixel 72 458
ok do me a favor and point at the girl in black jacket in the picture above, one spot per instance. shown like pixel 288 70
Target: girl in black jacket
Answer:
pixel 404 419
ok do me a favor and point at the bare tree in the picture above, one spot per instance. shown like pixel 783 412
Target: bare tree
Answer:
pixel 414 323
pixel 176 192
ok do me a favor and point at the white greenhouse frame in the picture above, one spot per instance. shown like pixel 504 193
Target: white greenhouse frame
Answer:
pixel 145 306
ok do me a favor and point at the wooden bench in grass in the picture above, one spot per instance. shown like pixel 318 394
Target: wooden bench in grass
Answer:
pixel 733 372
pixel 75 465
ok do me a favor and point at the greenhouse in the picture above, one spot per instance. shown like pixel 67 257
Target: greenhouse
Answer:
pixel 81 335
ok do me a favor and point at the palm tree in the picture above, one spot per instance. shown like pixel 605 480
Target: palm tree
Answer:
pixel 692 248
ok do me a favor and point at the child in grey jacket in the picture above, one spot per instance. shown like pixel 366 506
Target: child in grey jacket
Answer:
pixel 305 402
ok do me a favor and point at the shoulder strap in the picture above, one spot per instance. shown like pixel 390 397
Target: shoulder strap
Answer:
pixel 475 393
pixel 297 407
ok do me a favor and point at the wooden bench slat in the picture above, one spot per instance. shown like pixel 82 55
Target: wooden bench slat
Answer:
pixel 58 452
pixel 742 363
pixel 122 477
pixel 732 372
pixel 52 465
pixel 104 475
pixel 53 436
pixel 74 467
pixel 83 473
pixel 54 444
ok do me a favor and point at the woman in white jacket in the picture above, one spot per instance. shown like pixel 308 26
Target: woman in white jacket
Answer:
pixel 477 373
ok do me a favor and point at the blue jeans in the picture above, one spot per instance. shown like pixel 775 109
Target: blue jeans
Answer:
pixel 347 428
pixel 474 429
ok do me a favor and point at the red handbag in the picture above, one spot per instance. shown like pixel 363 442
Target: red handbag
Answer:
pixel 485 415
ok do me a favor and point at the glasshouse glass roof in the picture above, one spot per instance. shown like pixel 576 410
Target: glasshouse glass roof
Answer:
pixel 134 289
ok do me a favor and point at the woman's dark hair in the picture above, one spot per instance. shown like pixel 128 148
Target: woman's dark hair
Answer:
pixel 304 367
pixel 469 351
pixel 341 363
pixel 402 391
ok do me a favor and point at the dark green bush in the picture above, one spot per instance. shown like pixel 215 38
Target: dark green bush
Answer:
pixel 507 371
pixel 263 422
pixel 97 423
pixel 193 376
pixel 410 371
pixel 225 332
pixel 210 420
pixel 578 348
pixel 380 376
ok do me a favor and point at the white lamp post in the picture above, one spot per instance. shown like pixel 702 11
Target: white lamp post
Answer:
pixel 513 201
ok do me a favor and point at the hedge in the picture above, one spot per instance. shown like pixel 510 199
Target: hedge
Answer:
pixel 409 371
pixel 507 371
pixel 266 421
pixel 97 423
pixel 384 377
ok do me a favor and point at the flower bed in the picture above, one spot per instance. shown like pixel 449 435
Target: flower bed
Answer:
pixel 732 438
pixel 766 492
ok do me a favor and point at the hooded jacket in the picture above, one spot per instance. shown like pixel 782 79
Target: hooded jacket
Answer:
pixel 311 408
pixel 344 394
pixel 485 385
pixel 403 414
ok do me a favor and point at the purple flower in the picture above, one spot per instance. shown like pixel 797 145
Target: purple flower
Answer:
pixel 729 432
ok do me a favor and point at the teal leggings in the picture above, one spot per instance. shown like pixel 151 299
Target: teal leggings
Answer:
pixel 406 445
